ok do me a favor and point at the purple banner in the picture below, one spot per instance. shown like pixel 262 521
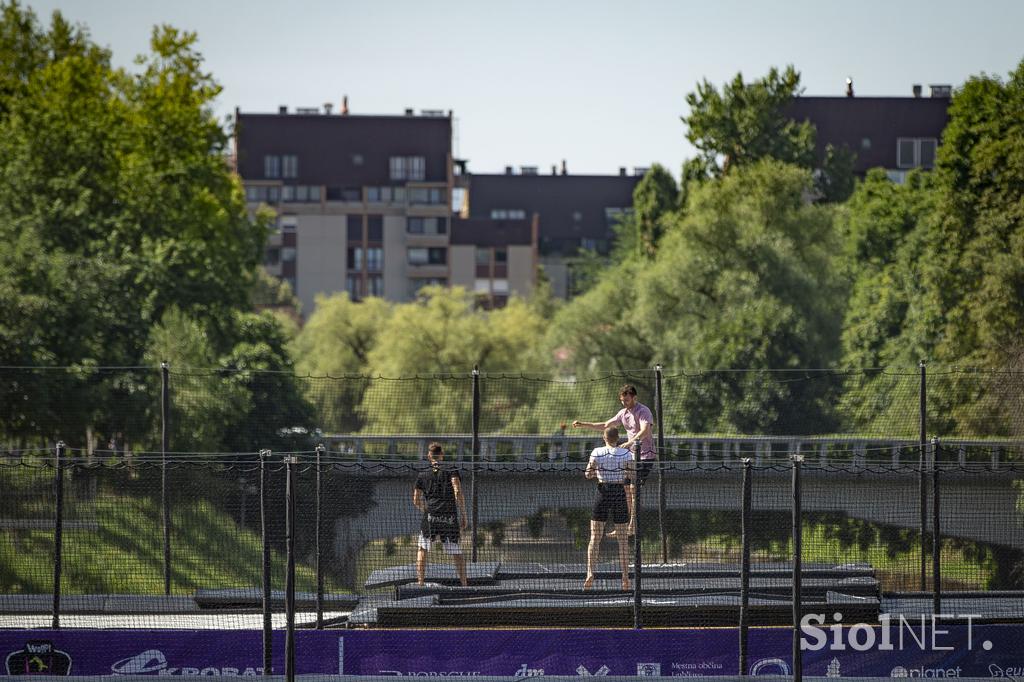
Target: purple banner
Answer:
pixel 898 650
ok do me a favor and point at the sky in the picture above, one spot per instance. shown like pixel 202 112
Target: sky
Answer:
pixel 599 84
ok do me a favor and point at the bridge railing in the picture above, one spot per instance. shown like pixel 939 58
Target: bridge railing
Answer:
pixel 693 448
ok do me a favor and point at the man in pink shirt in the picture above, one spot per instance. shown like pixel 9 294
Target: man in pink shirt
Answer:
pixel 639 423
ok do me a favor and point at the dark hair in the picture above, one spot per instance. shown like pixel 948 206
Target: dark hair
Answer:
pixel 627 389
pixel 435 449
pixel 611 435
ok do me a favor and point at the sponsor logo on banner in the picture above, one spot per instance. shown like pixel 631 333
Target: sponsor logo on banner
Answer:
pixel 770 666
pixel 648 669
pixel 429 673
pixel 701 669
pixel 833 669
pixel 38 657
pixel 1009 671
pixel 600 672
pixel 526 671
pixel 900 671
pixel 153 661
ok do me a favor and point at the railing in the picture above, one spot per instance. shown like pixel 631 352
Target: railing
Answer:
pixel 693 448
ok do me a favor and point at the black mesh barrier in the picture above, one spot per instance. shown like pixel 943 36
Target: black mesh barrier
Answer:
pixel 357 536
pixel 98 409
pixel 179 539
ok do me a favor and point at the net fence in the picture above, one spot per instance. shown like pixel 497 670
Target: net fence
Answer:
pixel 112 530
pixel 128 410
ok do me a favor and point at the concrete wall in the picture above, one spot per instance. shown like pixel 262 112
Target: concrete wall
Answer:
pixel 520 270
pixel 321 257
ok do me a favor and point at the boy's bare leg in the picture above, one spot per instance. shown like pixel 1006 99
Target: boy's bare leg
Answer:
pixel 593 549
pixel 421 566
pixel 460 567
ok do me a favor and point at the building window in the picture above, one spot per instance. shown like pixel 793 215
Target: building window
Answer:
pixel 352 286
pixel 373 194
pixel 499 214
pixel 483 256
pixel 500 287
pixel 354 228
pixel 355 258
pixel 501 255
pixel 272 256
pixel 374 259
pixel 375 285
pixel 915 152
pixel 287 254
pixel 408 168
pixel 482 286
pixel 314 193
pixel 288 193
pixel 416 225
pixel 375 228
pixel 926 155
pixel 428 256
pixel 357 159
pixel 271 166
pixel 290 166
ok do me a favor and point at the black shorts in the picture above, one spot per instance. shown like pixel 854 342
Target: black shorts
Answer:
pixel 440 527
pixel 643 471
pixel 610 503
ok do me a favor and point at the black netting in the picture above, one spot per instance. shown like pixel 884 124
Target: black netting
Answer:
pixel 867 537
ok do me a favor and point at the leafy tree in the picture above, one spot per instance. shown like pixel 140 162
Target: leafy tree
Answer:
pixel 747 280
pixel 746 122
pixel 835 179
pixel 952 294
pixel 333 348
pixel 116 203
pixel 655 197
pixel 430 339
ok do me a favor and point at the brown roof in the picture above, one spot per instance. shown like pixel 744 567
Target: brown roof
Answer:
pixel 850 120
pixel 343 151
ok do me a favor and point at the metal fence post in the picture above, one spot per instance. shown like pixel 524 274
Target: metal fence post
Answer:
pixel 264 515
pixel 745 565
pixel 637 544
pixel 660 419
pixel 165 436
pixel 922 463
pixel 319 535
pixel 936 533
pixel 58 533
pixel 289 576
pixel 797 567
pixel 474 498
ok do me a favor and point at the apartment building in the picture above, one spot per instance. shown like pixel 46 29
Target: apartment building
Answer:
pixel 573 211
pixel 363 203
pixel 898 134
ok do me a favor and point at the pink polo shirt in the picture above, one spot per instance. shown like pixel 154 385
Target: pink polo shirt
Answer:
pixel 631 421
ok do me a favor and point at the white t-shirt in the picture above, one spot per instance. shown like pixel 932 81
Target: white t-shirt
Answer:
pixel 610 463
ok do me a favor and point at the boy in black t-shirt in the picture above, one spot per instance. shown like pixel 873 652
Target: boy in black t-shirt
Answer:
pixel 436 494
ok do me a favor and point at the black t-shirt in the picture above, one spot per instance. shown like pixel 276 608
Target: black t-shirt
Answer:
pixel 436 484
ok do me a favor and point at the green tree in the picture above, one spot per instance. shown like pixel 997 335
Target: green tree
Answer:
pixel 333 350
pixel 748 280
pixel 746 122
pixel 655 197
pixel 432 338
pixel 116 203
pixel 952 293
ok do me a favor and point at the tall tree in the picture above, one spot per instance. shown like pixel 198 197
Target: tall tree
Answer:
pixel 116 203
pixel 747 281
pixel 746 122
pixel 954 294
